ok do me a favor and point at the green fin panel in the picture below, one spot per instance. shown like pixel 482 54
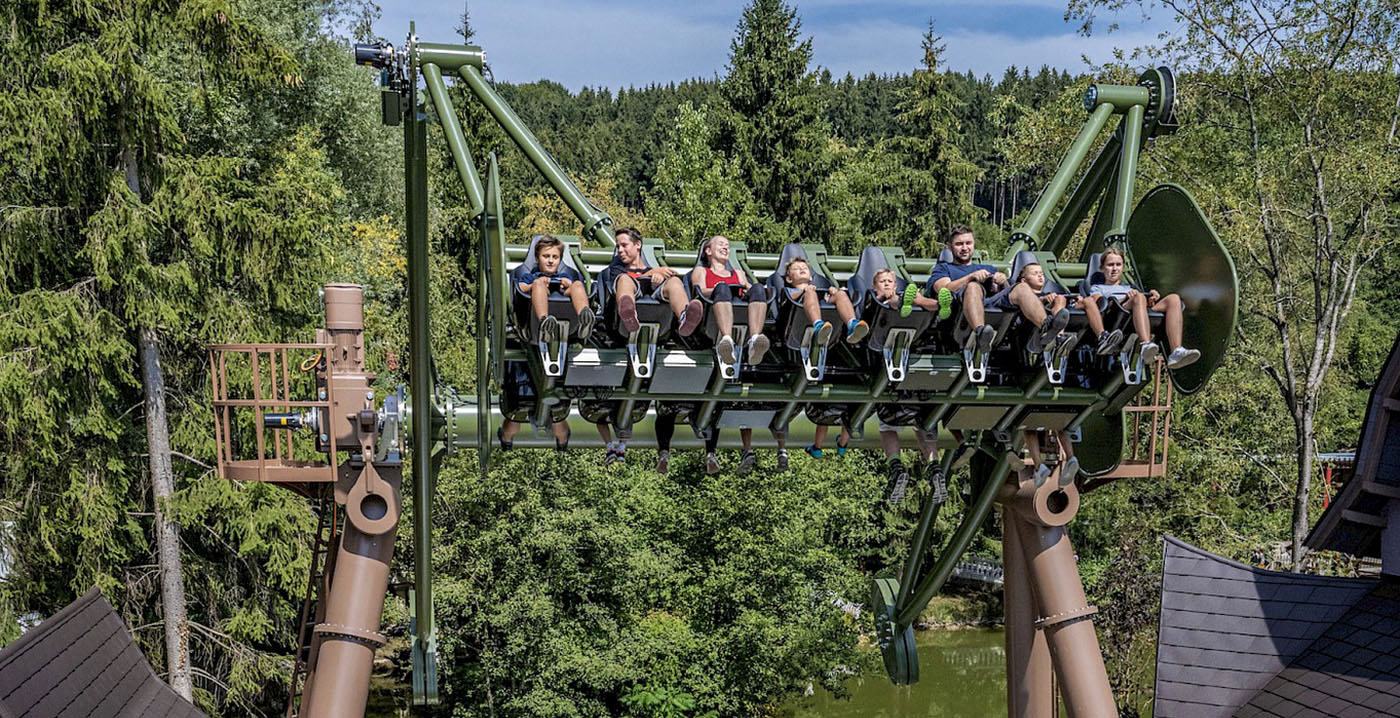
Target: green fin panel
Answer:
pixel 1100 446
pixel 1174 250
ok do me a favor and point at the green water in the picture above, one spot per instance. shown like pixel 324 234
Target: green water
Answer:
pixel 962 674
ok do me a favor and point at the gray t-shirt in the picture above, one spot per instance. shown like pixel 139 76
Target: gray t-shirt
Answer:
pixel 1112 291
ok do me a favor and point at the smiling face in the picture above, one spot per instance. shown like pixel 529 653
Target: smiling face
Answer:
pixel 549 258
pixel 629 250
pixel 962 246
pixel 719 252
pixel 798 273
pixel 1034 275
pixel 1112 267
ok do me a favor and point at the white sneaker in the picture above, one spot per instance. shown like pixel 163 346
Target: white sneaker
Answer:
pixel 1069 470
pixel 1042 473
pixel 1182 357
pixel 758 346
pixel 1150 350
pixel 726 349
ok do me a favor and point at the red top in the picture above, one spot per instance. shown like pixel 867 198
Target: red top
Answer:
pixel 712 279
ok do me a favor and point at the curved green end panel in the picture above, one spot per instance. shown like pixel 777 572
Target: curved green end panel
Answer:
pixel 1100 446
pixel 1175 250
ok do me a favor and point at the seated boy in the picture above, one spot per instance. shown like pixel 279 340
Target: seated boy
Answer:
pixel 1044 309
pixel 800 289
pixel 885 285
pixel 552 275
pixel 630 276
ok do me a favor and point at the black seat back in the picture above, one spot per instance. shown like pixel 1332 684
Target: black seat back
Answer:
pixel 1026 258
pixel 529 264
pixel 778 279
pixel 1093 273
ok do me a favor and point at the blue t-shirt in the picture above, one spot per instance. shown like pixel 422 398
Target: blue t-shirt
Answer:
pixel 565 272
pixel 948 270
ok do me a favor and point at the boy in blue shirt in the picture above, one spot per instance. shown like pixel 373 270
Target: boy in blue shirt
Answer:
pixel 552 275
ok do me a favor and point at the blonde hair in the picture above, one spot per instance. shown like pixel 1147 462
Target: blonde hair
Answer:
pixel 796 260
pixel 886 270
pixel 1113 250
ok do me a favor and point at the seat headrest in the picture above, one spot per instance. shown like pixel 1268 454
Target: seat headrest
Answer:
pixel 946 256
pixel 1022 260
pixel 529 264
pixel 872 260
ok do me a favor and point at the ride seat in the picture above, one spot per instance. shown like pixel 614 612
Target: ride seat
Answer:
pixel 891 335
pixel 559 306
pixel 791 321
pixel 710 333
pixel 655 316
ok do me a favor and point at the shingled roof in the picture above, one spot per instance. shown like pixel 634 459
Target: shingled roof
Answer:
pixel 1353 521
pixel 1234 640
pixel 82 662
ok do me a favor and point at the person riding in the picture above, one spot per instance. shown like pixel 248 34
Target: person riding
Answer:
pixel 714 279
pixel 1138 303
pixel 552 276
pixel 630 276
pixel 1040 306
pixel 970 283
pixel 798 276
pixel 886 286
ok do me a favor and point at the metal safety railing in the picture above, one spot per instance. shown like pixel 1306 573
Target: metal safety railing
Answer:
pixel 1148 421
pixel 254 384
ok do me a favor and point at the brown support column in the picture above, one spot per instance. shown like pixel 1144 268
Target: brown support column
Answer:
pixel 1065 618
pixel 1029 687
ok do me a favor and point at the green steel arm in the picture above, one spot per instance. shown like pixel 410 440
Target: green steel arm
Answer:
pixel 1029 232
pixel 493 236
pixel 456 141
pixel 1127 172
pixel 596 223
pixel 1089 189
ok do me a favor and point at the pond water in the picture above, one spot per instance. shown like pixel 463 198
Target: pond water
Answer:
pixel 961 673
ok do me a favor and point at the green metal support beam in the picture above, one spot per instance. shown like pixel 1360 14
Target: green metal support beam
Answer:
pixel 1127 172
pixel 456 141
pixel 1029 232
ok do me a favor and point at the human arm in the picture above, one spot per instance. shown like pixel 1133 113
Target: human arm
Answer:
pixel 697 279
pixel 660 274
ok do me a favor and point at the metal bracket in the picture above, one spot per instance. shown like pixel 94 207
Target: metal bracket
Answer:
pixel 1055 360
pixel 642 342
pixel 1130 360
pixel 424 661
pixel 896 353
pixel 554 362
pixel 731 371
pixel 976 365
pixel 813 371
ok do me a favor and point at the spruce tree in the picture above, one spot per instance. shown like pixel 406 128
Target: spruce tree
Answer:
pixel 773 121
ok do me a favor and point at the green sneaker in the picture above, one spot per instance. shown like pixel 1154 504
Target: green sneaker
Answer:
pixel 945 304
pixel 907 307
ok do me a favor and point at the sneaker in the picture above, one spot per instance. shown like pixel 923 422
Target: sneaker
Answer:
pixel 1064 344
pixel 690 318
pixel 938 483
pixel 813 451
pixel 663 462
pixel 627 312
pixel 985 335
pixel 945 304
pixel 614 456
pixel 586 319
pixel 501 437
pixel 549 329
pixel 907 306
pixel 782 460
pixel 822 330
pixel 1042 473
pixel 899 482
pixel 564 445
pixel 856 330
pixel 1051 327
pixel 747 461
pixel 1069 470
pixel 711 464
pixel 758 346
pixel 840 449
pixel 1110 342
pixel 726 349
pixel 1150 350
pixel 1182 357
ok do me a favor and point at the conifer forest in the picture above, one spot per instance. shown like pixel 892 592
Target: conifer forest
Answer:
pixel 175 174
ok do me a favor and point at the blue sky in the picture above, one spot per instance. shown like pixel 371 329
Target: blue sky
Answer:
pixel 581 42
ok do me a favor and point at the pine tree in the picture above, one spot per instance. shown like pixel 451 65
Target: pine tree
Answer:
pixel 773 121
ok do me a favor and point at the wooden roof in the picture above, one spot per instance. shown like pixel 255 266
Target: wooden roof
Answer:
pixel 83 662
pixel 1235 640
pixel 1353 522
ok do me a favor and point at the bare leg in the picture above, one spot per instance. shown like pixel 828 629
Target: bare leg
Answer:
pixel 758 312
pixel 561 431
pixel 1058 302
pixel 1141 325
pixel 1033 447
pixel 724 317
pixel 625 285
pixel 1066 446
pixel 578 296
pixel 1171 305
pixel 746 437
pixel 1092 313
pixel 674 293
pixel 889 441
pixel 928 445
pixel 973 297
pixel 1030 305
pixel 539 296
pixel 928 303
pixel 781 438
pixel 845 439
pixel 819 436
pixel 604 432
pixel 843 305
pixel 509 429
pixel 810 304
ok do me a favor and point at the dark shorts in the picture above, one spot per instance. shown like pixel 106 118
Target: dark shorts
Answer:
pixel 645 287
pixel 929 291
pixel 731 292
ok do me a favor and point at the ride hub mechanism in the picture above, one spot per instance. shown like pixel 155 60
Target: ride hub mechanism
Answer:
pixel 910 373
